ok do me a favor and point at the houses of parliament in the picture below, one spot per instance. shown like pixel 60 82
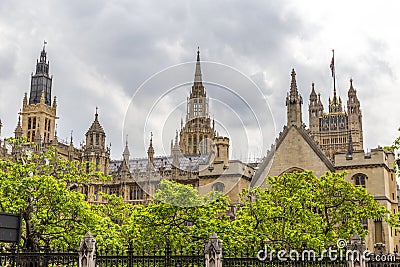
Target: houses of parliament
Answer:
pixel 199 156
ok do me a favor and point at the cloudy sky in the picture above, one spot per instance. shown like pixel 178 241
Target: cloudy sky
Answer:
pixel 103 52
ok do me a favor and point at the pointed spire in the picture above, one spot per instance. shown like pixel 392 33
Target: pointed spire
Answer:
pixel 71 143
pixel 18 129
pixel 175 152
pixel 352 91
pixel 293 103
pixel 43 53
pixel 293 85
pixel 96 115
pixel 151 139
pixel 1 125
pixel 313 95
pixel 150 150
pixel 197 74
pixel 126 152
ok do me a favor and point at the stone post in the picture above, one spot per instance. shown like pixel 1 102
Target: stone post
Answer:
pixel 213 251
pixel 357 248
pixel 87 251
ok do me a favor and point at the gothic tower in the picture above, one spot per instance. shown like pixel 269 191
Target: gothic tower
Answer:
pixel 336 131
pixel 293 103
pixel 95 151
pixel 197 134
pixel 315 111
pixel 355 118
pixel 39 114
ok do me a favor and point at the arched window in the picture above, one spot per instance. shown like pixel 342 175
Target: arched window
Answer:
pixel 359 179
pixel 218 186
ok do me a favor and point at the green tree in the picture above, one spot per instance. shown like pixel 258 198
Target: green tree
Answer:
pixel 300 209
pixel 43 187
pixel 178 214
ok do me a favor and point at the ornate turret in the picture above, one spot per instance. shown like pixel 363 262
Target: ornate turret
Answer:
pixel 355 117
pixel 293 104
pixel 337 131
pixel 125 172
pixel 315 110
pixel 95 150
pixel 95 136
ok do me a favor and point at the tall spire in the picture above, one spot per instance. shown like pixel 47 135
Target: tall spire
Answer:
pixel 126 153
pixel 293 86
pixel 150 150
pixel 175 152
pixel 293 103
pixel 71 143
pixel 197 74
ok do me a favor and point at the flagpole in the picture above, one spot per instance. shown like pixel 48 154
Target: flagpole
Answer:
pixel 333 71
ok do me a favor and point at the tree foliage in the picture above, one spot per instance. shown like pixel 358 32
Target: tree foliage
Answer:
pixel 300 209
pixel 40 186
pixel 294 210
pixel 180 215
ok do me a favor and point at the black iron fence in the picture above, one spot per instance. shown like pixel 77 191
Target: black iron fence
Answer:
pixel 165 256
pixel 38 259
pixel 159 257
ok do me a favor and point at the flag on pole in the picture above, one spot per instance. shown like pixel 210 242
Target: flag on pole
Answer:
pixel 333 64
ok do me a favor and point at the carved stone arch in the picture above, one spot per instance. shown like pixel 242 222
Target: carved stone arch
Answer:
pixel 292 169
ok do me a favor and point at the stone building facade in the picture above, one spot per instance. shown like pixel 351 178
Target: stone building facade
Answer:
pixel 298 148
pixel 200 157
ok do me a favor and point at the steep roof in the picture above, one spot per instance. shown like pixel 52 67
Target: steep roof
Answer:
pixel 96 127
pixel 294 160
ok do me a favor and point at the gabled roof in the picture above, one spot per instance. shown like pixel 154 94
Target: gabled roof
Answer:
pixel 264 166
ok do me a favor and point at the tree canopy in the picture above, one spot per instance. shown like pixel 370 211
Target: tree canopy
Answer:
pixel 294 210
pixel 300 209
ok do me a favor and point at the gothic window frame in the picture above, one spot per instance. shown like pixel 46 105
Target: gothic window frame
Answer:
pixel 219 187
pixel 360 179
